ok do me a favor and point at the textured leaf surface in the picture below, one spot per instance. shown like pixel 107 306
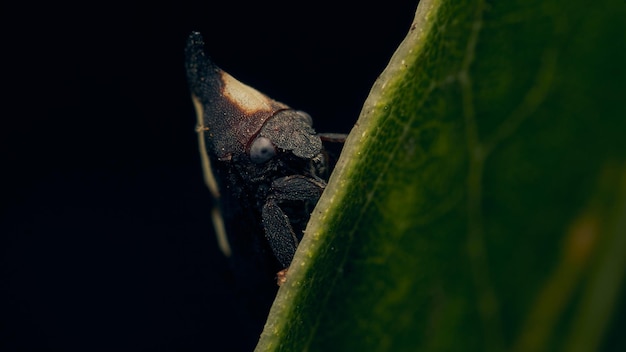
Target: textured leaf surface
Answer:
pixel 480 201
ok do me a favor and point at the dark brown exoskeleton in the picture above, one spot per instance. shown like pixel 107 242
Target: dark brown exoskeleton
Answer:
pixel 264 164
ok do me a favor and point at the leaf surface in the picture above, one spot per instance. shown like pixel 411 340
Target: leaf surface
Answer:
pixel 480 201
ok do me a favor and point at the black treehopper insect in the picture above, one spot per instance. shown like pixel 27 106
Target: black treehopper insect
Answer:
pixel 264 164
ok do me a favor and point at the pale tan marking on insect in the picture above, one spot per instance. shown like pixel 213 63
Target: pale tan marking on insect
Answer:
pixel 209 179
pixel 220 231
pixel 246 98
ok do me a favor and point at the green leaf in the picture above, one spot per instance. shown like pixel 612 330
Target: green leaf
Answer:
pixel 480 201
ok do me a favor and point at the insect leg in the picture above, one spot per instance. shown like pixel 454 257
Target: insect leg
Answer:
pixel 297 188
pixel 278 229
pixel 333 137
pixel 279 233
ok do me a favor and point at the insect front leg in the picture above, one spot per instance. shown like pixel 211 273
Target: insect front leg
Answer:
pixel 277 226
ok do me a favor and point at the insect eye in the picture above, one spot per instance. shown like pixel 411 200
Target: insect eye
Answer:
pixel 261 150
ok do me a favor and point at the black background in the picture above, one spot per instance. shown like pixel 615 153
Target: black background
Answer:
pixel 106 240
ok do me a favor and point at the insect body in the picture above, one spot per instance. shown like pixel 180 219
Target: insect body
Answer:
pixel 265 165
